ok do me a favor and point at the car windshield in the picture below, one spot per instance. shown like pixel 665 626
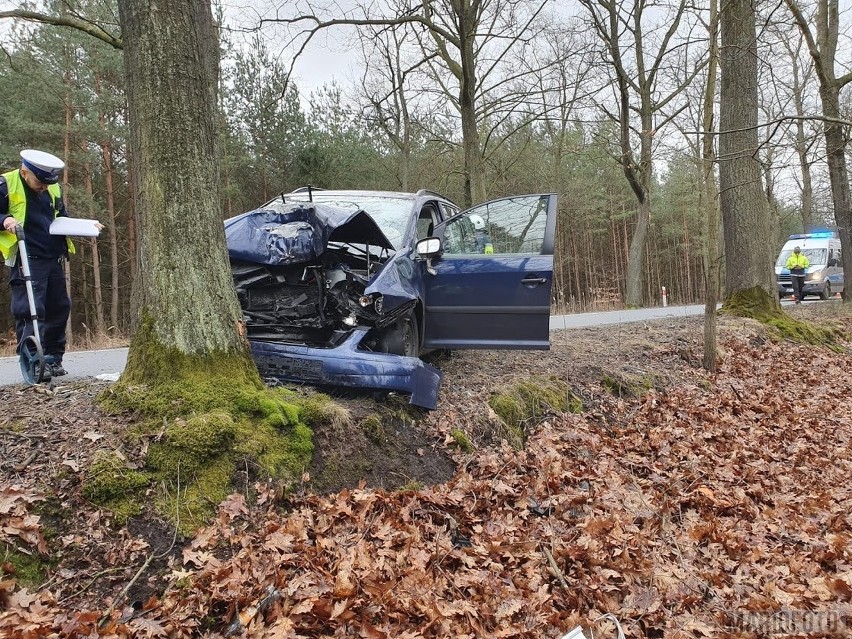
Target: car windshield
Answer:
pixel 391 214
pixel 816 256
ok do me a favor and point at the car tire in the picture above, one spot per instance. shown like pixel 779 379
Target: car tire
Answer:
pixel 403 338
pixel 826 291
pixel 409 336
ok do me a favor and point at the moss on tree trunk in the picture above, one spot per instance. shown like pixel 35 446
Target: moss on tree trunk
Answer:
pixel 204 417
pixel 755 303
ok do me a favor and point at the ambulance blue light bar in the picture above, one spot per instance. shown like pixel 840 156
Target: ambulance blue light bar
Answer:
pixel 805 236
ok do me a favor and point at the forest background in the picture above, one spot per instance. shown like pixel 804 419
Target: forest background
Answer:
pixel 548 114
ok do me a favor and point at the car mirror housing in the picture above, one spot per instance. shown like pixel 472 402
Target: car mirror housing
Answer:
pixel 429 247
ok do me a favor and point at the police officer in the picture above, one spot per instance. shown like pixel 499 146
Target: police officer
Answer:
pixel 31 197
pixel 797 263
pixel 481 238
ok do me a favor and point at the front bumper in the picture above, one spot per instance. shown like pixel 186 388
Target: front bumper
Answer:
pixel 346 365
pixel 809 288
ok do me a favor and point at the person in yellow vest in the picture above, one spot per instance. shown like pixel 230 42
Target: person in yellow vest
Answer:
pixel 797 263
pixel 481 238
pixel 31 197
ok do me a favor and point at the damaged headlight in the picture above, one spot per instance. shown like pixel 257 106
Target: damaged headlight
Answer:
pixel 375 300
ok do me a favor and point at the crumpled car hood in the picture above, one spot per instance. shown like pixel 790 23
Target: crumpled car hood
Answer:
pixel 299 233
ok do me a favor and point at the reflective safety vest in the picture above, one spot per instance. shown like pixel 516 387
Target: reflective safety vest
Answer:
pixel 797 261
pixel 18 210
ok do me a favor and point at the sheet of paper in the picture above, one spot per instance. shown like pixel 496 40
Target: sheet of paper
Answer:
pixel 74 226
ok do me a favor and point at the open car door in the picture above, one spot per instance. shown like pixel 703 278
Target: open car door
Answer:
pixel 489 287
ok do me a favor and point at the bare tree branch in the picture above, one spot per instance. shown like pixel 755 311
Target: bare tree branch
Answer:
pixel 66 21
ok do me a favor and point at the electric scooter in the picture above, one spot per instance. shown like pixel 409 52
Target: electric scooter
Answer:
pixel 31 354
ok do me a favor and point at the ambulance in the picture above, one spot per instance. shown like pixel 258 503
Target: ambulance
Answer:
pixel 825 274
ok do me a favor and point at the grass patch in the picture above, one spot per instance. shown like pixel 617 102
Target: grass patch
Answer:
pixel 526 402
pixel 622 385
pixel 28 570
pixel 373 428
pixel 462 440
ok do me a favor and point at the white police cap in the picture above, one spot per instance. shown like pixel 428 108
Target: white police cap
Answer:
pixel 44 166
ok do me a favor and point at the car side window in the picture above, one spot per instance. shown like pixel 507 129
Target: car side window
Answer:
pixel 503 227
pixel 426 221
pixel 459 237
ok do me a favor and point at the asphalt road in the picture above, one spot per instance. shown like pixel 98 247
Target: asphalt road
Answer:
pixel 81 364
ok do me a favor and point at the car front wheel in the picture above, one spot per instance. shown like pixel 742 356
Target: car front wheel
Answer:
pixel 826 291
pixel 403 338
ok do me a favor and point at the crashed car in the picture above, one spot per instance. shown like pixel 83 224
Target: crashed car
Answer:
pixel 348 288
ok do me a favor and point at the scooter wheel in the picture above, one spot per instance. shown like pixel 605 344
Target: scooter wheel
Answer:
pixel 31 359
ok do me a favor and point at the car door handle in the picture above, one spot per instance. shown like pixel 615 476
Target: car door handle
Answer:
pixel 533 280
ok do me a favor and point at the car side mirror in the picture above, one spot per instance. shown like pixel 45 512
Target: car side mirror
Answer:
pixel 429 247
pixel 832 262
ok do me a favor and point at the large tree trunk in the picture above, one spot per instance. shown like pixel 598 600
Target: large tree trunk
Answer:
pixel 474 184
pixel 185 298
pixel 132 218
pixel 835 146
pixel 636 256
pixel 640 181
pixel 474 180
pixel 708 197
pixel 744 211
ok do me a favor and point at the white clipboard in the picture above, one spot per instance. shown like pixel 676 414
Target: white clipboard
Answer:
pixel 74 226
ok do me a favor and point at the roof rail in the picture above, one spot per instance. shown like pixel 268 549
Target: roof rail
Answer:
pixel 307 189
pixel 430 192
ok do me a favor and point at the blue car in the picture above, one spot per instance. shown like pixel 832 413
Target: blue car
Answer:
pixel 348 288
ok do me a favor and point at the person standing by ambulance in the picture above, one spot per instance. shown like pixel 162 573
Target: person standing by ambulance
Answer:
pixel 31 197
pixel 797 264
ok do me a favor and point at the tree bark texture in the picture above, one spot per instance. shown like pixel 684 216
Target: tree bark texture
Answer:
pixel 185 289
pixel 710 202
pixel 744 210
pixel 474 183
pixel 835 146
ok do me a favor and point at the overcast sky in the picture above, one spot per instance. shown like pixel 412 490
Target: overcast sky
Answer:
pixel 332 55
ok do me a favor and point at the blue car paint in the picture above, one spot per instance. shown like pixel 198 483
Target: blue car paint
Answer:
pixel 298 234
pixel 250 237
pixel 348 366
pixel 399 281
pixel 470 304
pixel 495 301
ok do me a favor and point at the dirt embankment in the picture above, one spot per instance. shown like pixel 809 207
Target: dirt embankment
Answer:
pixel 640 502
